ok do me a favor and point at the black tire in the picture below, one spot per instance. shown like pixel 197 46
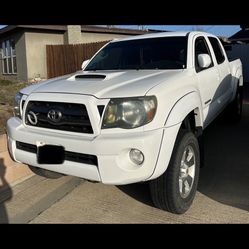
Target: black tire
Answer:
pixel 45 173
pixel 234 111
pixel 165 190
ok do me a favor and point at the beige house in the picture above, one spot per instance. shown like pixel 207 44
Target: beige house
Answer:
pixel 23 47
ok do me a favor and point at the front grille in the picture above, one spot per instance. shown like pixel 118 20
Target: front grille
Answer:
pixel 69 156
pixel 58 116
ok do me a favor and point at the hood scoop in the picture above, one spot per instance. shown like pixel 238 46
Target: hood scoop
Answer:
pixel 90 76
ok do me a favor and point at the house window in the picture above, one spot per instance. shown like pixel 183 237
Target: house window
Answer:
pixel 9 57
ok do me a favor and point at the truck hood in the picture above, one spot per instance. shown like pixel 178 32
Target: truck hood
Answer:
pixel 105 84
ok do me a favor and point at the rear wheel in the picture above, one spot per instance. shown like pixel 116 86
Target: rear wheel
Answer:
pixel 45 173
pixel 174 190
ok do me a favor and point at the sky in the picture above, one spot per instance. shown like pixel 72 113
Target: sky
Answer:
pixel 220 30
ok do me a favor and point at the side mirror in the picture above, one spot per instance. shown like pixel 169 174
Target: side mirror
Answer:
pixel 84 63
pixel 204 60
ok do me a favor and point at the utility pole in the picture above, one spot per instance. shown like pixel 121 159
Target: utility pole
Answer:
pixel 197 28
pixel 141 27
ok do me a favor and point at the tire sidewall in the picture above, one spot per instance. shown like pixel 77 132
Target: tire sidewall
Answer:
pixel 184 139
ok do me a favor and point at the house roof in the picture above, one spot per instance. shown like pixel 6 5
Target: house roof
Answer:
pixel 10 28
pixel 84 28
pixel 96 29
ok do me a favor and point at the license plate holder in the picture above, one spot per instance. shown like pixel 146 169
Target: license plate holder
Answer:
pixel 50 154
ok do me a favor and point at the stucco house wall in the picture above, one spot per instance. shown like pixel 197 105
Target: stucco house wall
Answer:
pixel 36 52
pixel 87 37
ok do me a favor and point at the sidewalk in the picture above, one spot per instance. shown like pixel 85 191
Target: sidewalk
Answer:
pixel 11 172
pixel 26 200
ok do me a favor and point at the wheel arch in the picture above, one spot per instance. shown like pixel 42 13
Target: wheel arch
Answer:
pixel 189 103
pixel 186 108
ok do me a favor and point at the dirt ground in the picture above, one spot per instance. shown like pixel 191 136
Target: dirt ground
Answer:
pixel 8 90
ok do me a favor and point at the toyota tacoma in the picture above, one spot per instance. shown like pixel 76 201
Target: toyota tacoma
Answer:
pixel 135 113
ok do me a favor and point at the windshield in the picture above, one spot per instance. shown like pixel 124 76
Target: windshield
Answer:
pixel 150 53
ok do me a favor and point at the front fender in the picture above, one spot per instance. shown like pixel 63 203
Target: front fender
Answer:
pixel 189 102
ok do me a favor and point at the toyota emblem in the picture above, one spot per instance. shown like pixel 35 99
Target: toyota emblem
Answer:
pixel 54 115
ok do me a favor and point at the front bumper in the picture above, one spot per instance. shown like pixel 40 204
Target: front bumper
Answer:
pixel 112 151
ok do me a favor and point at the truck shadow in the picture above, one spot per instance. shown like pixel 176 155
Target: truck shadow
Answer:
pixel 225 177
pixel 138 191
pixel 5 193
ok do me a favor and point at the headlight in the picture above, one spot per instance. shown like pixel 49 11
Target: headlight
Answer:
pixel 17 105
pixel 130 112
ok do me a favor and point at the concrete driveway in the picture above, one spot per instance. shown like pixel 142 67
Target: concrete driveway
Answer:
pixel 222 197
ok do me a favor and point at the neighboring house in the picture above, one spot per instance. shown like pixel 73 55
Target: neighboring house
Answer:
pixel 238 47
pixel 241 36
pixel 23 47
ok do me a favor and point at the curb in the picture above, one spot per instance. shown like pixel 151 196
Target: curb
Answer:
pixel 33 196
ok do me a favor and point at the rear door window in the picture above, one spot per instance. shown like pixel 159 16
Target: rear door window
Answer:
pixel 219 55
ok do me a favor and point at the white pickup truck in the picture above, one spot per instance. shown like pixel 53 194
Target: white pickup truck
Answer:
pixel 135 113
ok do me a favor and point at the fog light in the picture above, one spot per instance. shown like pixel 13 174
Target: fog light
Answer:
pixel 136 156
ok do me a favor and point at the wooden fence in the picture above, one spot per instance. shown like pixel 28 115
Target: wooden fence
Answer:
pixel 65 59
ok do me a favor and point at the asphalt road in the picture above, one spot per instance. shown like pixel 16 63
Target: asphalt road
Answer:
pixel 222 197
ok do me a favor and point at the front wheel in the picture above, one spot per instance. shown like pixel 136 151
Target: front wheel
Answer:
pixel 175 190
